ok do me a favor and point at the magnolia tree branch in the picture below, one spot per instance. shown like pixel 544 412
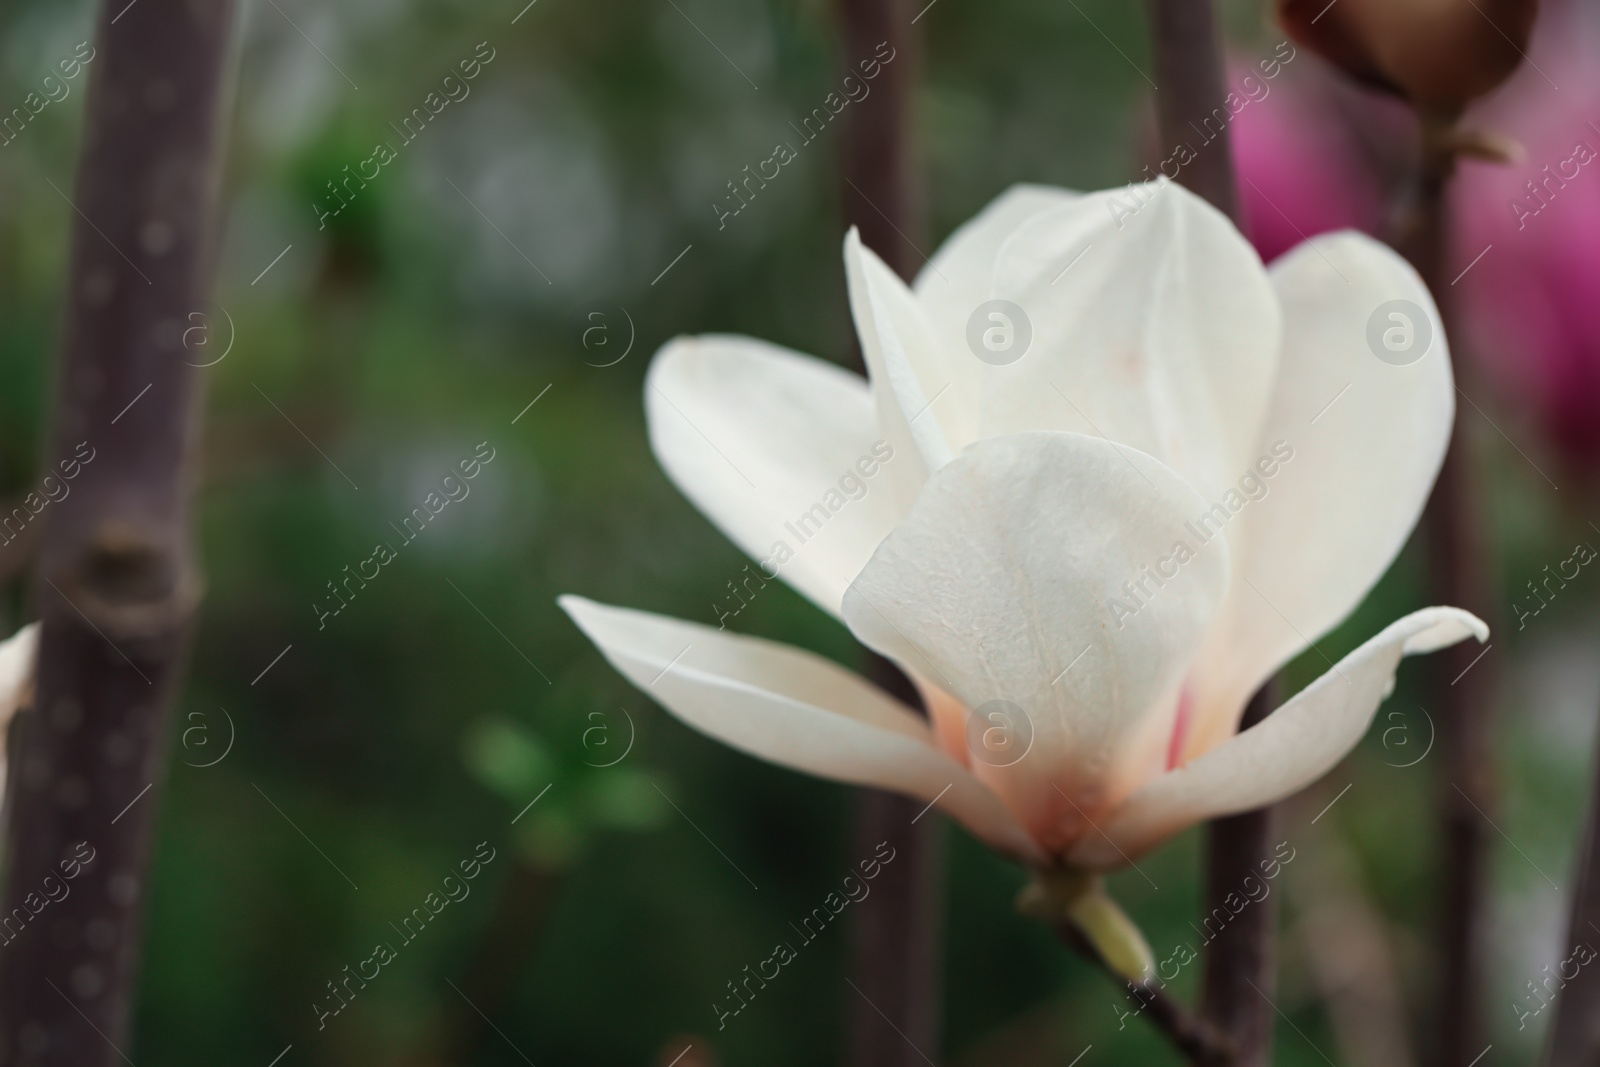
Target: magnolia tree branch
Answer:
pixel 1466 791
pixel 895 943
pixel 1202 1043
pixel 1240 960
pixel 117 585
pixel 1189 75
pixel 1191 84
pixel 881 194
pixel 1459 566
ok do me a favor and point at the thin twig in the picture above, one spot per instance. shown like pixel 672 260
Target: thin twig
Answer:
pixel 1203 1044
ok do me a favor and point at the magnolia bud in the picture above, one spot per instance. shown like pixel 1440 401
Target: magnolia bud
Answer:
pixel 1114 936
pixel 1438 54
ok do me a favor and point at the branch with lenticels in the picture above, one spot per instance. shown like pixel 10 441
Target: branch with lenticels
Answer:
pixel 117 582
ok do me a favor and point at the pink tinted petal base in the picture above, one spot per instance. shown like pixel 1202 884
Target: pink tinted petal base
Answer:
pixel 1180 728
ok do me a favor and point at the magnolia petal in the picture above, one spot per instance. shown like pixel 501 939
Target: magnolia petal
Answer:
pixel 1010 568
pixel 19 658
pixel 948 717
pixel 1153 324
pixel 1366 438
pixel 914 384
pixel 959 279
pixel 781 451
pixel 1290 749
pixel 793 708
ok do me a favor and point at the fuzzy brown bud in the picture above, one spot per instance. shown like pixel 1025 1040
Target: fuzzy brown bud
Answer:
pixel 1438 54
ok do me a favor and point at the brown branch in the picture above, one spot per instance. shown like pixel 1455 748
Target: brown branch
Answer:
pixel 895 944
pixel 1458 563
pixel 1240 964
pixel 1466 791
pixel 118 585
pixel 895 947
pixel 1190 82
pixel 881 194
pixel 1201 1042
pixel 1241 960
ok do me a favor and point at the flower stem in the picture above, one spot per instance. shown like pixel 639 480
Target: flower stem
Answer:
pixel 1203 1044
pixel 117 582
pixel 895 950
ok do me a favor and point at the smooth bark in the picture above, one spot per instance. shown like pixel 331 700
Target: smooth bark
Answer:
pixel 1190 77
pixel 1241 961
pixel 117 583
pixel 1460 678
pixel 895 937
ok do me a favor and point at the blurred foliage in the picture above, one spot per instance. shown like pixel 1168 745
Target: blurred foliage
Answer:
pixel 451 693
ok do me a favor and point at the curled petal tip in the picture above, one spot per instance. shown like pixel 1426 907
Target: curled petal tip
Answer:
pixel 1449 626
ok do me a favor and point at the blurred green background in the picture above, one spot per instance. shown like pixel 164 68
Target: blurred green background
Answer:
pixel 451 692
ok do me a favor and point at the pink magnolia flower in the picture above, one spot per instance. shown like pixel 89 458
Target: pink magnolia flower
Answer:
pixel 1529 301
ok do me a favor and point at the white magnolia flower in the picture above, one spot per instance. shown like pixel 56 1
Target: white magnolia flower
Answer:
pixel 1170 471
